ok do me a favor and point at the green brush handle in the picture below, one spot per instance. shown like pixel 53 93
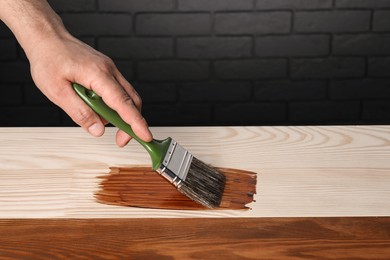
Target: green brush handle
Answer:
pixel 156 148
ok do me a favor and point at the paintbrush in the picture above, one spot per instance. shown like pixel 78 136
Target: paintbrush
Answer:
pixel 195 179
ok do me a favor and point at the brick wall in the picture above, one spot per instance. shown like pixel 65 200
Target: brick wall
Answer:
pixel 226 62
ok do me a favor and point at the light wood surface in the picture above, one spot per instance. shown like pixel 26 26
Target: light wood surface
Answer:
pixel 302 171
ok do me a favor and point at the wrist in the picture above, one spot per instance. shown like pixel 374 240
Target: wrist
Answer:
pixel 42 33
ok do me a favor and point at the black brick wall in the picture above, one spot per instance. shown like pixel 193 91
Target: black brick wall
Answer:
pixel 225 62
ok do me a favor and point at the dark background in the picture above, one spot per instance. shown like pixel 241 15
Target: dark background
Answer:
pixel 225 62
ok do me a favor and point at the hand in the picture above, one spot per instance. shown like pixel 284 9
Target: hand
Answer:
pixel 58 61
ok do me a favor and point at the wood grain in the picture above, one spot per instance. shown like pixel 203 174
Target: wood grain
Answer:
pixel 253 238
pixel 302 171
pixel 142 187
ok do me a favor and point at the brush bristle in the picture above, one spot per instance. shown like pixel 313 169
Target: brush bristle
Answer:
pixel 203 184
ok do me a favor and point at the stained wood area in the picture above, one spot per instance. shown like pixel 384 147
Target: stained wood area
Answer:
pixel 254 238
pixel 143 187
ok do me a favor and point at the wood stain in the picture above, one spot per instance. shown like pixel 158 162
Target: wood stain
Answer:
pixel 143 187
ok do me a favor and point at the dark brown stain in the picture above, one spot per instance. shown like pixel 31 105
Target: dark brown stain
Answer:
pixel 143 187
pixel 196 238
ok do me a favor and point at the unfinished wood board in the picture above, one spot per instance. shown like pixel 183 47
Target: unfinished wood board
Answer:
pixel 302 171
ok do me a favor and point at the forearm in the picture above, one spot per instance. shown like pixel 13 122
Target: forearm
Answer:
pixel 31 21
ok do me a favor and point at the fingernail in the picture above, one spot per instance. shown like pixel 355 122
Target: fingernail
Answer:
pixel 96 129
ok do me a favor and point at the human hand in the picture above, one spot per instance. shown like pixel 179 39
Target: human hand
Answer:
pixel 58 59
pixel 57 62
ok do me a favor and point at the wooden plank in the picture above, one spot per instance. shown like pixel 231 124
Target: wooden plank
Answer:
pixel 249 238
pixel 302 171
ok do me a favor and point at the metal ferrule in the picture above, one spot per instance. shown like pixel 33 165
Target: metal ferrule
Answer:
pixel 176 164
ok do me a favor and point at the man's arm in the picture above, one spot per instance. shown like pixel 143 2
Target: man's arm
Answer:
pixel 57 59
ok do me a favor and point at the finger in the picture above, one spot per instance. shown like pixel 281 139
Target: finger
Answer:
pixel 104 121
pixel 129 90
pixel 118 99
pixel 80 112
pixel 122 138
